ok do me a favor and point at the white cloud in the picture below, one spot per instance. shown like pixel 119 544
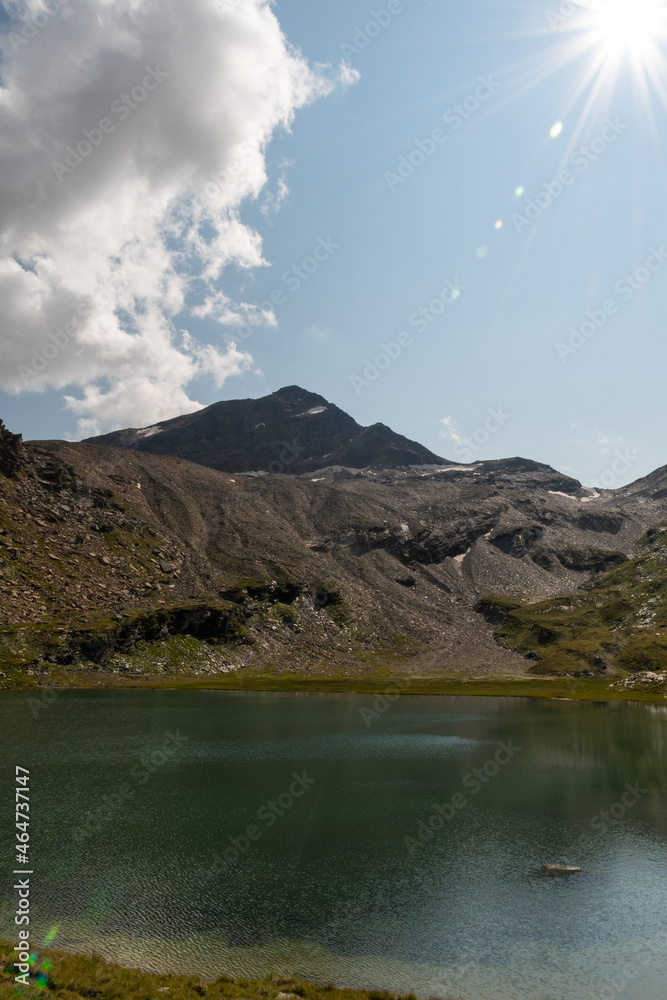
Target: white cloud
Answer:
pixel 274 199
pixel 451 431
pixel 347 75
pixel 150 400
pixel 97 259
pixel 319 332
pixel 220 307
pixel 594 438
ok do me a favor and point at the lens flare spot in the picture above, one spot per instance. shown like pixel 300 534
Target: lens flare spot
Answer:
pixel 556 130
pixel 51 934
pixel 518 192
pixel 498 224
pixel 482 251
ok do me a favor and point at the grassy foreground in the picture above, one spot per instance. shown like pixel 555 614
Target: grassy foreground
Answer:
pixel 82 977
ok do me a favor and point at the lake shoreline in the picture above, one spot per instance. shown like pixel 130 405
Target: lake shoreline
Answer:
pixel 389 685
pixel 84 975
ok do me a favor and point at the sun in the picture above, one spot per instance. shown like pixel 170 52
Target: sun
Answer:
pixel 627 27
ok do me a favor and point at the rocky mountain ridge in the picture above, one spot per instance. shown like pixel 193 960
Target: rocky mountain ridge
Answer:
pixel 127 561
pixel 292 432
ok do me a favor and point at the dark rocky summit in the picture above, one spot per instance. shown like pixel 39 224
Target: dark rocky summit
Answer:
pixel 291 431
pixel 354 551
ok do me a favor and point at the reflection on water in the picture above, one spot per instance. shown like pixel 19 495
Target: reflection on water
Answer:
pixel 214 832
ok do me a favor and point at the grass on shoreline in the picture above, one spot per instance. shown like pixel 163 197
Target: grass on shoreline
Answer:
pixel 508 686
pixel 88 977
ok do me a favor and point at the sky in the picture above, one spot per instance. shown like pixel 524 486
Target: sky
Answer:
pixel 445 215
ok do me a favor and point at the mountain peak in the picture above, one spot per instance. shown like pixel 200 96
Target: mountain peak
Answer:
pixel 291 431
pixel 295 394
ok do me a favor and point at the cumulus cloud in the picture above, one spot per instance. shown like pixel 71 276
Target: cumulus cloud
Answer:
pixel 131 131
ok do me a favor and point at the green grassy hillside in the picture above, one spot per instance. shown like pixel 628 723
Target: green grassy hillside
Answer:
pixel 618 624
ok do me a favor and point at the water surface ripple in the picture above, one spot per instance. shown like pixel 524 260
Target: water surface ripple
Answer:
pixel 156 843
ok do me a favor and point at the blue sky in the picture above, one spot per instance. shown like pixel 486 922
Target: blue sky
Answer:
pixel 393 244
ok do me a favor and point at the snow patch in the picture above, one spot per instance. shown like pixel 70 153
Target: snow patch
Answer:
pixel 593 497
pixel 569 496
pixel 312 412
pixel 460 468
pixel 150 431
pixel 432 469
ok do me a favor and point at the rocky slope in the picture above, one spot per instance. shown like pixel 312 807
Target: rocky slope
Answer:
pixel 618 620
pixel 291 431
pixel 126 561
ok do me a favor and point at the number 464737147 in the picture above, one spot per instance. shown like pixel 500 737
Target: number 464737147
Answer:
pixel 22 810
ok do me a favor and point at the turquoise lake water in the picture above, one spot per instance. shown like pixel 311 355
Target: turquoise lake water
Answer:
pixel 239 833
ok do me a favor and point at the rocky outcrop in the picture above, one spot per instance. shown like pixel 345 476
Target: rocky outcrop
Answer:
pixel 11 452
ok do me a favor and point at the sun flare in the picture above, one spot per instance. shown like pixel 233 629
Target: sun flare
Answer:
pixel 629 27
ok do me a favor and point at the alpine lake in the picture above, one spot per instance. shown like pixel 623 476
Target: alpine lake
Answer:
pixel 375 843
